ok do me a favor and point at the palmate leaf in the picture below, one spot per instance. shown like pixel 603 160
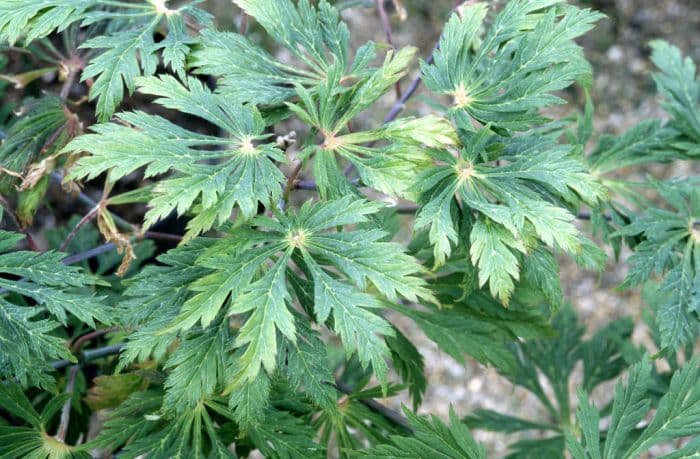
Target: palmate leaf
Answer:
pixel 520 205
pixel 647 142
pixel 504 77
pixel 137 428
pixel 431 438
pixel 678 83
pixel 283 436
pixel 677 415
pixel 132 51
pixel 247 175
pixel 388 168
pixel 670 248
pixel 32 440
pixel 307 368
pixel 27 342
pixel 247 275
pixel 476 324
pixel 409 364
pixel 198 367
pixel 128 52
pixel 315 37
pixel 37 19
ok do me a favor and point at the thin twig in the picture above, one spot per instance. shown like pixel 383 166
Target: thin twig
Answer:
pixel 400 104
pixel 68 84
pixel 90 355
pixel 83 221
pixel 91 203
pixel 392 415
pixel 79 341
pixel 65 411
pixel 386 25
pixel 158 236
pixel 291 181
pixel 243 29
pixel 92 253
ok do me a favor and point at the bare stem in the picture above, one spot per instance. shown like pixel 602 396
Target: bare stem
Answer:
pixel 83 221
pixel 393 416
pixel 386 25
pixel 291 180
pixel 88 336
pixel 65 411
pixel 68 84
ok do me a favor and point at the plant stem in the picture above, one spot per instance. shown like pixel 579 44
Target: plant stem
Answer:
pixel 90 355
pixel 91 203
pixel 291 181
pixel 394 416
pixel 83 221
pixel 65 411
pixel 386 25
pixel 88 336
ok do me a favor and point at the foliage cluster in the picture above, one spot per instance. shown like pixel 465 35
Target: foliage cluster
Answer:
pixel 269 326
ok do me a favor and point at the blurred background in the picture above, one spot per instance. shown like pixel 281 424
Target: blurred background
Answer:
pixel 623 93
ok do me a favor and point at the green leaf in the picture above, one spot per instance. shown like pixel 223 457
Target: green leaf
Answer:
pixel 132 51
pixel 247 275
pixel 307 369
pixel 431 438
pixel 137 428
pixel 588 417
pixel 246 176
pixel 491 252
pixel 478 326
pixel 506 76
pixel 267 300
pixel 409 364
pixel 196 368
pixel 37 19
pixel 27 341
pixel 314 36
pixel 646 142
pixel 283 435
pixel 514 202
pixel 669 248
pixel 629 407
pixel 497 422
pixel 40 120
pixel 678 84
pixel 677 415
pixel 34 441
pixel 678 412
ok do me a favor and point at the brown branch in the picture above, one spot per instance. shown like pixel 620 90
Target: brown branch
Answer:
pixel 386 25
pixel 243 29
pixel 83 221
pixel 157 235
pixel 291 180
pixel 68 84
pixel 79 341
pixel 65 411
pixel 400 104
pixel 394 416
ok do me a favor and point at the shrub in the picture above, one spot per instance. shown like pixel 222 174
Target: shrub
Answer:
pixel 263 320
